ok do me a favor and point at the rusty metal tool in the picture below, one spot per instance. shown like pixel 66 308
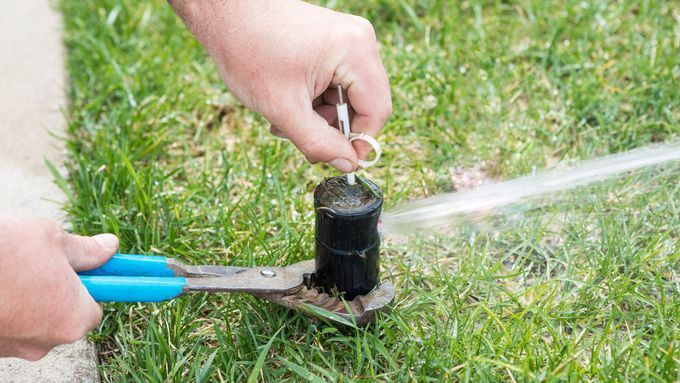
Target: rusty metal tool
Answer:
pixel 146 278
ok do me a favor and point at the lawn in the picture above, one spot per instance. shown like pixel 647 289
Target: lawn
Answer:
pixel 161 154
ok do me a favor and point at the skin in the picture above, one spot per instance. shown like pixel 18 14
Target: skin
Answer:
pixel 42 302
pixel 284 59
pixel 281 58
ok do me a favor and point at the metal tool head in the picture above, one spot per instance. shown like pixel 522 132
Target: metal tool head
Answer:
pixel 361 310
pixel 289 286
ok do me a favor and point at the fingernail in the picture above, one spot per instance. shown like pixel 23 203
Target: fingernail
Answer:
pixel 342 164
pixel 107 241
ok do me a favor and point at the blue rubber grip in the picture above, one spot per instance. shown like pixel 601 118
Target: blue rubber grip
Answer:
pixel 133 289
pixel 133 265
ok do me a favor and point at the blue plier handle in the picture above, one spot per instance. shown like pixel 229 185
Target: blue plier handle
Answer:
pixel 152 278
pixel 133 278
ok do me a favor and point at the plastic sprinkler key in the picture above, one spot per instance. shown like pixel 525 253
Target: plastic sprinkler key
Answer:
pixel 343 122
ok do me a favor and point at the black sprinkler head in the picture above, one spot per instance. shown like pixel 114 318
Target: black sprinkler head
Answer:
pixel 347 238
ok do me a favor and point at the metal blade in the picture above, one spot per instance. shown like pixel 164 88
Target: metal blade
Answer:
pixel 361 309
pixel 203 271
pixel 256 280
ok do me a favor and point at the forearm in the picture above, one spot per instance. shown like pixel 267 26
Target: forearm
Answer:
pixel 199 16
pixel 215 22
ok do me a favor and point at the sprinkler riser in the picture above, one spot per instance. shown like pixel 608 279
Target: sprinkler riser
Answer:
pixel 347 239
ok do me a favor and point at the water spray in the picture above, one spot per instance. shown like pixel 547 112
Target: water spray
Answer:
pixel 467 206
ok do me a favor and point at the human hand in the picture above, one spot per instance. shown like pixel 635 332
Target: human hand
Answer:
pixel 42 302
pixel 284 59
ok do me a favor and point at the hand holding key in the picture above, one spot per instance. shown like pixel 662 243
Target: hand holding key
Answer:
pixel 284 59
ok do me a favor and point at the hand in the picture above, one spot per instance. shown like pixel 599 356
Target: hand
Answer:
pixel 42 302
pixel 284 59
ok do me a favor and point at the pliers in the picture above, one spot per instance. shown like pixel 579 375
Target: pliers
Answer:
pixel 152 278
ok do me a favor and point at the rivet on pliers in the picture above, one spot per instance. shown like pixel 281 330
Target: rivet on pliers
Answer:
pixel 268 273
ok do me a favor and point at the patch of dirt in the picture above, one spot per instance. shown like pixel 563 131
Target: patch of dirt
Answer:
pixel 470 178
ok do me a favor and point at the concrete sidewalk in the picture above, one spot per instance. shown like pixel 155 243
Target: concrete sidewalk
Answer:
pixel 32 97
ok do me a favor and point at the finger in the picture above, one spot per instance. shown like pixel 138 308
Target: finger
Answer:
pixel 29 352
pixel 93 311
pixel 329 113
pixel 368 91
pixel 319 141
pixel 86 253
pixel 79 314
pixel 331 97
pixel 276 131
pixel 362 149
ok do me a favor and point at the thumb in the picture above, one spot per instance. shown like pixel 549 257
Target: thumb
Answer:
pixel 86 253
pixel 319 141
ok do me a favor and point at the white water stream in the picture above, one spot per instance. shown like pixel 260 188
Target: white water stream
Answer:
pixel 465 206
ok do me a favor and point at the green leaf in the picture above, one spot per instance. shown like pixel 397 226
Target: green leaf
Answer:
pixel 204 371
pixel 260 359
pixel 60 181
pixel 325 314
pixel 301 371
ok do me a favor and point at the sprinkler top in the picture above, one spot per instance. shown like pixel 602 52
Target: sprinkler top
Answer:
pixel 340 198
pixel 347 238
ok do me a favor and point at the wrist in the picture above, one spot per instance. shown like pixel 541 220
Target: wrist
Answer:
pixel 208 20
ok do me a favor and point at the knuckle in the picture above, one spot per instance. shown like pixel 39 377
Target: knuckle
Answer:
pixel 361 31
pixel 71 328
pixel 97 317
pixel 386 111
pixel 365 25
pixel 54 233
pixel 69 334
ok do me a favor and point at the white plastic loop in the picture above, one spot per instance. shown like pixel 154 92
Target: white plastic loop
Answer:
pixel 371 141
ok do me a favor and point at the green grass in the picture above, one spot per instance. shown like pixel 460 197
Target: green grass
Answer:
pixel 162 155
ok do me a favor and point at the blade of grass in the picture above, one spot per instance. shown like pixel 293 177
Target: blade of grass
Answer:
pixel 301 371
pixel 261 358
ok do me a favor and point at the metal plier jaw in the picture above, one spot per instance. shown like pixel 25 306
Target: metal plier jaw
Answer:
pixel 141 278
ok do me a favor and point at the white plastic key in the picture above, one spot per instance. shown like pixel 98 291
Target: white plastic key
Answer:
pixel 343 122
